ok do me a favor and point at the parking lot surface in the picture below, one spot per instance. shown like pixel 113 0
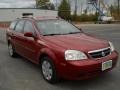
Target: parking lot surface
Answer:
pixel 20 74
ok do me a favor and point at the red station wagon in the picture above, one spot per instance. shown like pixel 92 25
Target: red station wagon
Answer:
pixel 61 49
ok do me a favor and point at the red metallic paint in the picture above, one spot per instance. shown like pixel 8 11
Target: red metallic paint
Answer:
pixel 33 48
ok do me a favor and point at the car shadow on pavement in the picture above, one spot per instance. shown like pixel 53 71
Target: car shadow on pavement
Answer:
pixel 89 84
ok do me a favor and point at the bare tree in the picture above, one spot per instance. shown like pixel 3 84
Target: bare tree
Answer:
pixel 56 4
pixel 76 7
pixel 44 4
pixel 118 7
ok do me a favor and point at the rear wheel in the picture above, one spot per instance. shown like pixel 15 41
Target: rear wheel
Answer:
pixel 48 70
pixel 11 50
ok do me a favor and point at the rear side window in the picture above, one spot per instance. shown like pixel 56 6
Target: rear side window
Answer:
pixel 12 25
pixel 19 26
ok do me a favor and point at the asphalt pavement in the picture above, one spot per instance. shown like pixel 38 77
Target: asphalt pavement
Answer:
pixel 20 74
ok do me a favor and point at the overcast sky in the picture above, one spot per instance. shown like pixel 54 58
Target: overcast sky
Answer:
pixel 17 3
pixel 27 3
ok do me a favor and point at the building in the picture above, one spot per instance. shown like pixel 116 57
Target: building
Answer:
pixel 9 14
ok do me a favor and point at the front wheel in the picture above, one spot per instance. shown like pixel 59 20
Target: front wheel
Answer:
pixel 48 70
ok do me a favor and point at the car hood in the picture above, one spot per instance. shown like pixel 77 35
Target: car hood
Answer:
pixel 80 41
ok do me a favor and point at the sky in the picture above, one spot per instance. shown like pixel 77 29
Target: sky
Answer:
pixel 17 3
pixel 31 3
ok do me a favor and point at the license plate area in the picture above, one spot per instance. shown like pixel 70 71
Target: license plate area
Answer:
pixel 106 65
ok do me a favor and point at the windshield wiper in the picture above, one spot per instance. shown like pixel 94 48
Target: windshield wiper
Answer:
pixel 51 34
pixel 60 34
pixel 73 32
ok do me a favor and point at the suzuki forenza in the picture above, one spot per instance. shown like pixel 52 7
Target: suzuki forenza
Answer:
pixel 61 49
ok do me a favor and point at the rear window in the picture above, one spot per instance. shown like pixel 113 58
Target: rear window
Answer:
pixel 12 25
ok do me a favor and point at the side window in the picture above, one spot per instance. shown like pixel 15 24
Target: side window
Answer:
pixel 28 27
pixel 12 25
pixel 19 26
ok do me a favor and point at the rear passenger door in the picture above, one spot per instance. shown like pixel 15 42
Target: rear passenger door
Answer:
pixel 11 31
pixel 19 37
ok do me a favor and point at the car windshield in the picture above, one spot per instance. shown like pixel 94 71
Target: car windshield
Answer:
pixel 56 27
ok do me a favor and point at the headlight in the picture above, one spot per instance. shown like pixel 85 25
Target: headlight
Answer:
pixel 74 55
pixel 111 46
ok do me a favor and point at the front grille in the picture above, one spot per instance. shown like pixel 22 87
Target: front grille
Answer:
pixel 100 53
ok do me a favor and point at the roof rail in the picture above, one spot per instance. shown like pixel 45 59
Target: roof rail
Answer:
pixel 40 17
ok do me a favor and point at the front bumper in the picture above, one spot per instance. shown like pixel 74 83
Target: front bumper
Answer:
pixel 78 70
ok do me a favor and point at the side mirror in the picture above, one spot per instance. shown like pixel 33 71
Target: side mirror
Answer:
pixel 28 34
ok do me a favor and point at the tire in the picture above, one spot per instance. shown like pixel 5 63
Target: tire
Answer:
pixel 48 70
pixel 11 50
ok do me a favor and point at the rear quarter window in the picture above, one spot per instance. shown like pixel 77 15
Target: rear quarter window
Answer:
pixel 19 27
pixel 12 25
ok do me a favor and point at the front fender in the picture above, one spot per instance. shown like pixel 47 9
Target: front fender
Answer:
pixel 48 52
